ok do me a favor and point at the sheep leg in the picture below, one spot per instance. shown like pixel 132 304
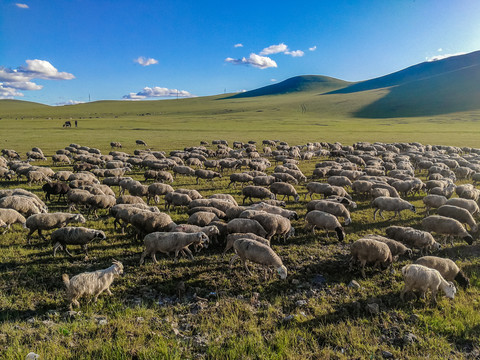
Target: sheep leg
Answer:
pixel 30 235
pixel 189 252
pixel 55 247
pixel 108 291
pixel 326 231
pixel 154 258
pixel 84 247
pixel 375 214
pixel 41 235
pixel 362 268
pixel 246 268
pixel 142 258
pixel 66 250
pixel 233 259
pixel 6 229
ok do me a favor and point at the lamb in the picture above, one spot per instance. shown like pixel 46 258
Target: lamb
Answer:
pixel 446 267
pixel 24 205
pixel 100 202
pixel 246 226
pixel 391 204
pixel 274 224
pixel 419 239
pixel 257 192
pixel 396 248
pixel 418 277
pixel 467 204
pixel 206 174
pixel 172 241
pixel 10 217
pixel 74 236
pixel 241 178
pixel 334 208
pixel 39 222
pixel 285 189
pixel 326 221
pixel 91 283
pixel 157 189
pixel 459 214
pixel 370 251
pixel 231 238
pixel 446 226
pixel 433 201
pixel 247 249
pixel 202 218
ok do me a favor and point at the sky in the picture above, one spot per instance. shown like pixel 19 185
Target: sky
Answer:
pixel 60 52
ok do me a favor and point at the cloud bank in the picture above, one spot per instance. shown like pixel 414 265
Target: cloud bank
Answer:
pixel 12 80
pixel 22 6
pixel 145 61
pixel 157 92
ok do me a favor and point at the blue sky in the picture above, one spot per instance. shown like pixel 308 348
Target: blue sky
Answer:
pixel 60 51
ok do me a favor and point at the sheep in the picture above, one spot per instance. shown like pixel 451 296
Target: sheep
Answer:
pixel 418 277
pixel 257 192
pixel 316 188
pixel 176 199
pixel 100 202
pixel 235 212
pixel 148 222
pixel 129 199
pixel 391 204
pixel 342 200
pixel 194 194
pixel 183 170
pixel 219 213
pixel 419 239
pixel 206 174
pixel 24 205
pixel 211 230
pixel 55 188
pixel 157 189
pixel 446 226
pixel 140 142
pixel 467 204
pixel 116 144
pixel 172 241
pixel 272 209
pixel 377 192
pixel 446 267
pixel 433 201
pixel 246 226
pixel 326 221
pixel 247 249
pixel 202 218
pixel 334 208
pixel 226 197
pixel 285 189
pixel 74 236
pixel 77 197
pixel 10 217
pixel 459 214
pixel 35 176
pixel 231 238
pixel 342 181
pixel 60 158
pixel 274 224
pixel 263 180
pixel 91 283
pixel 362 187
pixel 39 222
pixel 284 177
pixel 370 251
pixel 392 192
pixel 396 248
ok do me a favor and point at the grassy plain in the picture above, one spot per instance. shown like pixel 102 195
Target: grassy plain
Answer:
pixel 223 314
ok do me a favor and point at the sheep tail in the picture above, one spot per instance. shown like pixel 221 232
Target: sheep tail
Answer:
pixel 66 280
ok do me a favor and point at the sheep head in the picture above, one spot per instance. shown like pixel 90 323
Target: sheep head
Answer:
pixel 450 290
pixel 100 235
pixel 118 267
pixel 282 271
pixel 79 218
pixel 340 233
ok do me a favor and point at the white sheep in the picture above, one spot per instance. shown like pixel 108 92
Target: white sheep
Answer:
pixel 459 214
pixel 257 192
pixel 39 222
pixel 285 189
pixel 419 239
pixel 231 238
pixel 370 251
pixel 422 278
pixel 74 236
pixel 443 225
pixel 247 249
pixel 326 221
pixel 91 283
pixel 446 267
pixel 391 204
pixel 468 204
pixel 171 242
pixel 24 205
pixel 433 201
pixel 334 208
pixel 10 217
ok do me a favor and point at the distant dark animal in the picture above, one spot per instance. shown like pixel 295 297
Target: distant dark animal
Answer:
pixel 55 188
pixel 115 144
pixel 67 124
pixel 140 142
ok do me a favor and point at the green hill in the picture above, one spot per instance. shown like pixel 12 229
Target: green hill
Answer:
pixel 296 84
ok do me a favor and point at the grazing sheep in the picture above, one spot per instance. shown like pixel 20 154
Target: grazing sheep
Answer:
pixel 326 221
pixel 263 180
pixel 370 251
pixel 148 222
pixel 129 199
pixel 23 204
pixel 241 178
pixel 316 188
pixel 202 218
pixel 285 189
pixel 77 197
pixel 39 222
pixel 183 170
pixel 284 177
pixel 419 239
pixel 10 217
pixel 231 238
pixel 194 194
pixel 418 277
pixel 342 181
pixel 390 204
pixel 140 142
pixel 467 204
pixel 219 213
pixel 171 241
pixel 74 236
pixel 235 212
pixel 362 187
pixel 100 202
pixel 226 197
pixel 274 224
pixel 175 199
pixel 459 214
pixel 157 189
pixel 334 208
pixel 35 177
pixel 206 174
pixel 246 226
pixel 247 249
pixel 256 192
pixel 60 158
pixel 91 283
pixel 446 226
pixel 272 209
pixel 396 248
pixel 211 230
pixel 433 201
pixel 446 267
pixel 116 144
pixel 378 192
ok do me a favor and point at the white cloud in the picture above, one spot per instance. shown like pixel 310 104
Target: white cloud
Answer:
pixel 145 61
pixel 313 48
pixel 439 49
pixel 296 53
pixel 261 62
pixel 273 80
pixel 441 57
pixel 23 85
pixel 70 102
pixel 8 92
pixel 238 45
pixel 160 92
pixel 274 49
pixel 22 6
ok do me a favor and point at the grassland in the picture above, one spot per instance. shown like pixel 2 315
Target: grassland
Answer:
pixel 223 314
